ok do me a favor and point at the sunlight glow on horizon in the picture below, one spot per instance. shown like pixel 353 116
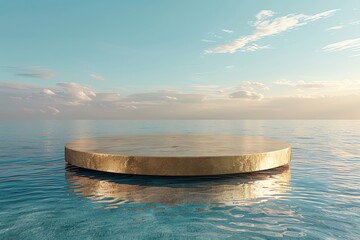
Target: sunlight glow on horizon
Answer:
pixel 179 60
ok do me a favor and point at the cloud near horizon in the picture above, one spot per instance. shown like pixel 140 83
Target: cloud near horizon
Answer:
pixel 165 96
pixel 245 90
pixel 353 85
pixel 265 26
pixel 35 72
pixel 75 101
pixel 243 94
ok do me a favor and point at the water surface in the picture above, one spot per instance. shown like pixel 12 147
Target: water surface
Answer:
pixel 316 197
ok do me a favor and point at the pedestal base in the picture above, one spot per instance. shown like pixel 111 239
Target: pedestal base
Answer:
pixel 178 155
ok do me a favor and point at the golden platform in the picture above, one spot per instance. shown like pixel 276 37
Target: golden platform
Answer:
pixel 178 155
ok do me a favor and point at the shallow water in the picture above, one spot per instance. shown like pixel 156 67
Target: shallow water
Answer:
pixel 316 197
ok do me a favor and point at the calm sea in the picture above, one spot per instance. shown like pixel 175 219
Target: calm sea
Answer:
pixel 316 197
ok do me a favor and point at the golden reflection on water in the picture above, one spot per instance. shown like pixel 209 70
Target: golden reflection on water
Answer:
pixel 240 189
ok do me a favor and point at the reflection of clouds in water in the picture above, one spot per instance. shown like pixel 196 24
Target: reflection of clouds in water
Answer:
pixel 343 145
pixel 243 189
pixel 341 153
pixel 344 149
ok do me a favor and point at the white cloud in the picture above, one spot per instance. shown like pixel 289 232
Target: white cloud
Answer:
pixel 318 99
pixel 165 96
pixel 35 72
pixel 107 97
pixel 334 28
pixel 230 67
pixel 225 92
pixel 323 88
pixel 264 14
pixel 53 110
pixel 171 98
pixel 243 94
pixel 254 47
pixel 214 91
pixel 335 99
pixel 261 85
pixel 47 110
pixel 16 86
pixel 75 94
pixel 353 44
pixel 227 30
pixel 48 92
pixel 235 108
pixel 303 84
pixel 247 85
pixel 97 77
pixel 267 26
pixel 284 82
pixel 321 15
pixel 355 22
pixel 208 41
pixel 220 91
pixel 214 35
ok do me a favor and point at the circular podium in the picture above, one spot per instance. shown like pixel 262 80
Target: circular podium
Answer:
pixel 178 155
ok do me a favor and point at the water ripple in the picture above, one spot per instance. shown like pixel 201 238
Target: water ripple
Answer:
pixel 317 197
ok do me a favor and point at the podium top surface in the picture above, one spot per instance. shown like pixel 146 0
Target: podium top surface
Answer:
pixel 178 145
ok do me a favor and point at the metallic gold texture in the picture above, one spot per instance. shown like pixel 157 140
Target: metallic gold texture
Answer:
pixel 178 155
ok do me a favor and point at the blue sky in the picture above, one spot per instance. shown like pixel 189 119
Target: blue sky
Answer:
pixel 140 57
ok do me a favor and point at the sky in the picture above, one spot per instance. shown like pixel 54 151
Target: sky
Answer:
pixel 163 59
